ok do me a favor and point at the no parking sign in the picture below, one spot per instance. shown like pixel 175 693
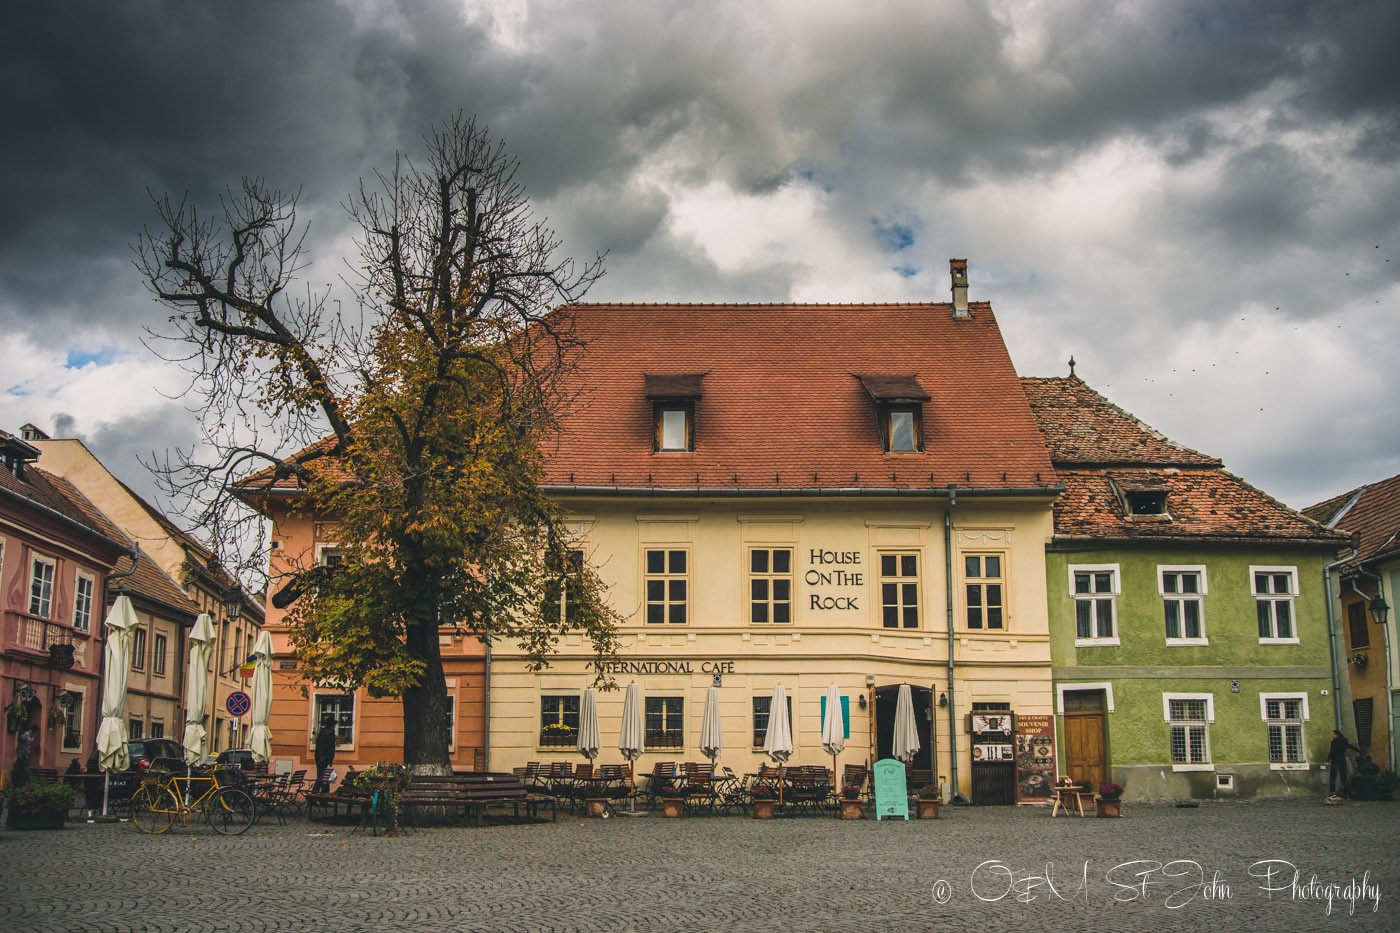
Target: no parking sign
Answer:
pixel 238 703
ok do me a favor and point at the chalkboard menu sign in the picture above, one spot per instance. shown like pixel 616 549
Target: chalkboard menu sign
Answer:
pixel 891 789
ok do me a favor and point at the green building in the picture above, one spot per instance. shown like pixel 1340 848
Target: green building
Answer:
pixel 1188 624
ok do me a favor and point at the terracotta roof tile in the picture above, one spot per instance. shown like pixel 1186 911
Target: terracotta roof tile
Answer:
pixel 1102 452
pixel 783 404
pixel 1083 427
pixel 1374 517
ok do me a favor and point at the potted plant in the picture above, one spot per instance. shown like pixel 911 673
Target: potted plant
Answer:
pixel 927 800
pixel 762 798
pixel 672 801
pixel 1109 801
pixel 39 804
pixel 57 718
pixel 558 735
pixel 388 781
pixel 851 806
pixel 595 799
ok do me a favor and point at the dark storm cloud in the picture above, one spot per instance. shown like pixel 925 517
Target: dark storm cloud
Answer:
pixel 1122 174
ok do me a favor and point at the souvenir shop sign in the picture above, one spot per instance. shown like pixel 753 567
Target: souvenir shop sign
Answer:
pixel 1035 758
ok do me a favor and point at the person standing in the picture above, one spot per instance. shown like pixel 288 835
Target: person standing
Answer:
pixel 325 754
pixel 1337 764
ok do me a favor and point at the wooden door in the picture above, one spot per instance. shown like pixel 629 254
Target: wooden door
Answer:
pixel 1085 753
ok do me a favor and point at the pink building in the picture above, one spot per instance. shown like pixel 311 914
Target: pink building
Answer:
pixel 55 559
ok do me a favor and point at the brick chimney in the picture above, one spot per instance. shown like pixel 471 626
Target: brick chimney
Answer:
pixel 958 268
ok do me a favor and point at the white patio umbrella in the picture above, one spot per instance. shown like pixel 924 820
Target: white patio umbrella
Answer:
pixel 631 739
pixel 111 733
pixel 260 738
pixel 833 728
pixel 777 744
pixel 711 730
pixel 906 732
pixel 589 738
pixel 196 739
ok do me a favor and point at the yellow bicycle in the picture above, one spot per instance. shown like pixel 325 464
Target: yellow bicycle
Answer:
pixel 160 801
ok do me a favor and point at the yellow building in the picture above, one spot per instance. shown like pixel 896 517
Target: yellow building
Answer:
pixel 801 495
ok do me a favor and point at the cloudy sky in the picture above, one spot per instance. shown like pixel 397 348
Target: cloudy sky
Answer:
pixel 1199 201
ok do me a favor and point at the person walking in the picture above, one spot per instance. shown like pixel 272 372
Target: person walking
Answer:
pixel 325 754
pixel 1337 765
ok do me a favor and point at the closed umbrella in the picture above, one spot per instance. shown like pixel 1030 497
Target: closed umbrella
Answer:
pixel 630 740
pixel 777 744
pixel 711 731
pixel 833 728
pixel 260 739
pixel 111 733
pixel 196 739
pixel 589 739
pixel 906 731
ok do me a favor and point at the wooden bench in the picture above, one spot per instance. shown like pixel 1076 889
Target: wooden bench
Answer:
pixel 472 792
pixel 347 795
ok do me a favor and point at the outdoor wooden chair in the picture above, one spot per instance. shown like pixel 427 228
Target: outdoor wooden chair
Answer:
pixel 662 773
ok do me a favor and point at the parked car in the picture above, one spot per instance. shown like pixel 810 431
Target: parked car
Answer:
pixel 165 754
pixel 238 757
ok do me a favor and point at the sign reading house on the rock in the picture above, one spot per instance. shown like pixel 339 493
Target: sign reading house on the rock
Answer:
pixel 668 667
pixel 834 569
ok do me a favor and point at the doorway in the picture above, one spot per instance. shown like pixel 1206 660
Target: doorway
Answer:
pixel 1086 737
pixel 885 700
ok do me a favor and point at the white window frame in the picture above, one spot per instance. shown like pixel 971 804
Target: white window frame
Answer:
pixel 45 597
pixel 666 577
pixel 770 578
pixel 1208 764
pixel 1272 598
pixel 1304 716
pixel 328 552
pixel 82 602
pixel 354 715
pixel 1115 590
pixel 1199 598
pixel 901 581
pixel 1003 581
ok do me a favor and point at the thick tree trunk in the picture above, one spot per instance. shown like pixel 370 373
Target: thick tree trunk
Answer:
pixel 425 725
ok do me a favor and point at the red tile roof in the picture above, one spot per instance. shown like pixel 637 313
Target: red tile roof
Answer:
pixel 1083 427
pixel 783 405
pixel 1096 446
pixel 1373 517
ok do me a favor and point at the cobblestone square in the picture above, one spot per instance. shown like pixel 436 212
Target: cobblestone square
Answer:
pixel 1281 865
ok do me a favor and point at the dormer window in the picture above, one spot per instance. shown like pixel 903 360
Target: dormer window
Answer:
pixel 899 410
pixel 673 399
pixel 1146 501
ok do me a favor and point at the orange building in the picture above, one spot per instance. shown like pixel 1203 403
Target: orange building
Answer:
pixel 368 729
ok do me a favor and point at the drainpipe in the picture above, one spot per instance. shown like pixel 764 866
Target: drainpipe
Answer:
pixel 948 588
pixel 1332 637
pixel 486 709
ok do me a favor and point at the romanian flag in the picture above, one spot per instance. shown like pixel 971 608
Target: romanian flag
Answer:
pixel 245 670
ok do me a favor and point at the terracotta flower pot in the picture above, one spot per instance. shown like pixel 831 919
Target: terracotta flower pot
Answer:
pixel 928 809
pixel 763 809
pixel 852 810
pixel 674 807
pixel 1108 808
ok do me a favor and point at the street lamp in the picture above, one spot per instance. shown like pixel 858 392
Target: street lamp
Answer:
pixel 1380 611
pixel 233 604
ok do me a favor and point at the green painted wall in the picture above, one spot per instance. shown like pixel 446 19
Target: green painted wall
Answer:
pixel 1143 667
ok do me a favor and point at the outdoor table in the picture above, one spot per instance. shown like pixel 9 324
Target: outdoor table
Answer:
pixel 1069 797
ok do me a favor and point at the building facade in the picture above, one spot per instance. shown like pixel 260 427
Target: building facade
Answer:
pixel 176 579
pixel 1363 585
pixel 1188 618
pixel 54 565
pixel 802 495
